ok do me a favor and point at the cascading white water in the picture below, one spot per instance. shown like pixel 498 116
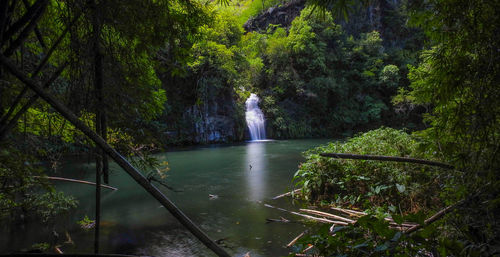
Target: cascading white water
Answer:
pixel 255 118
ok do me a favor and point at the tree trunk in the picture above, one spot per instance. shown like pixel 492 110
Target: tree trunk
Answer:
pixel 98 84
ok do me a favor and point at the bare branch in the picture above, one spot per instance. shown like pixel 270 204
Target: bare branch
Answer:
pixel 75 181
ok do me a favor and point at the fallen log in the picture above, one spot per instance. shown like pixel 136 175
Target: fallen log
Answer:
pixel 296 191
pixel 386 158
pixel 322 220
pixel 75 181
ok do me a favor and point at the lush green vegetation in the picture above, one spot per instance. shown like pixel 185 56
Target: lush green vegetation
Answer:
pixel 392 187
pixel 314 78
pixel 402 191
pixel 146 75
pixel 457 80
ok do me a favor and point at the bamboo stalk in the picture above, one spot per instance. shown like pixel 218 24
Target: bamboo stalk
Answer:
pixel 402 224
pixel 322 220
pixel 327 215
pixel 76 181
pixel 296 191
pixel 349 212
pixel 308 248
pixel 385 158
pixel 358 214
pixel 295 239
pixel 433 218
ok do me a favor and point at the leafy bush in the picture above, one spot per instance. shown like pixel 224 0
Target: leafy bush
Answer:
pixel 408 192
pixel 371 184
pixel 23 196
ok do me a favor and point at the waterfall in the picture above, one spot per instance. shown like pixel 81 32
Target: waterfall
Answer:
pixel 255 118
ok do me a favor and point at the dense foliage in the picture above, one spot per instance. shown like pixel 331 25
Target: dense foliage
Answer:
pixel 314 77
pixel 390 186
pixel 457 82
pixel 26 196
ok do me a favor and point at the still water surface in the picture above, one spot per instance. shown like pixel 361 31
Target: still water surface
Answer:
pixel 243 176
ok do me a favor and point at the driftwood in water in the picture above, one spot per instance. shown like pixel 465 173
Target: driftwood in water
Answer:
pixel 385 158
pixel 322 220
pixel 75 181
pixel 296 191
pixel 277 220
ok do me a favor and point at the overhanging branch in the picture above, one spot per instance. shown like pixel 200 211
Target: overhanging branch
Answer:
pixel 385 158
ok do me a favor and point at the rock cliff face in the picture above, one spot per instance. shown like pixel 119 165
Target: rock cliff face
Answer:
pixel 201 117
pixel 277 15
pixel 212 123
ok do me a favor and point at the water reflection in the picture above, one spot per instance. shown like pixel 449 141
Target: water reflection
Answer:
pixel 134 223
pixel 256 164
